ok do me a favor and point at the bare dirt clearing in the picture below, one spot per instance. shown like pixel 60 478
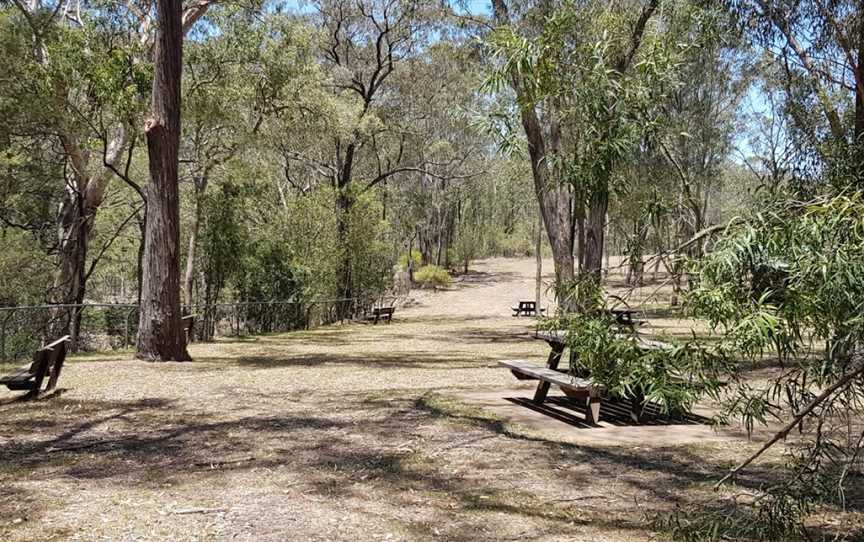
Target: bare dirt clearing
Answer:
pixel 343 433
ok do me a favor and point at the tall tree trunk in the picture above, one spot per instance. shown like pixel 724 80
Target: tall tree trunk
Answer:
pixel 556 199
pixel 344 204
pixel 82 198
pixel 74 227
pixel 579 211
pixel 859 78
pixel 160 332
pixel 142 230
pixel 595 237
pixel 344 273
pixel 194 230
pixel 538 246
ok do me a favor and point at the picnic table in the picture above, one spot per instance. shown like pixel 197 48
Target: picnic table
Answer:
pixel 526 308
pixel 581 386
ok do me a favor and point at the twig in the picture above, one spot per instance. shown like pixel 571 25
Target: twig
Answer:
pixel 88 445
pixel 198 511
pixel 585 498
pixel 465 443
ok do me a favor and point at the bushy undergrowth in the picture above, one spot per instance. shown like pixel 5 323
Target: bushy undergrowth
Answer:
pixel 432 276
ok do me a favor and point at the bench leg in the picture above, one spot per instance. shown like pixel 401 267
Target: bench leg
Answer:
pixel 552 363
pixel 32 395
pixel 592 413
pixel 637 408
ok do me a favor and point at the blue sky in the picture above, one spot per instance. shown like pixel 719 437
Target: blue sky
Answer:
pixel 474 7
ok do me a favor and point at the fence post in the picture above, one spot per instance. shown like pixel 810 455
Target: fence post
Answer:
pixel 76 318
pixel 126 341
pixel 3 335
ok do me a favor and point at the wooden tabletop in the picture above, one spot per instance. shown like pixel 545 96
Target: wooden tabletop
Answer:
pixel 559 337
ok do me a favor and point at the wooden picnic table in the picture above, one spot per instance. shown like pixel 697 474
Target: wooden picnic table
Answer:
pixel 624 318
pixel 526 308
pixel 557 340
pixel 573 386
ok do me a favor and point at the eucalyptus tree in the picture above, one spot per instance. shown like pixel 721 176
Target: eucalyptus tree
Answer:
pixel 160 332
pixel 436 98
pixel 770 154
pixel 88 64
pixel 717 83
pixel 788 281
pixel 818 49
pixel 238 81
pixel 78 70
pixel 582 74
pixel 365 43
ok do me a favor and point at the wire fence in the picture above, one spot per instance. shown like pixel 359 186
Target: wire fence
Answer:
pixel 104 327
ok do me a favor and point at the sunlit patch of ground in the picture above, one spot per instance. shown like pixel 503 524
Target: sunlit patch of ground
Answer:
pixel 342 433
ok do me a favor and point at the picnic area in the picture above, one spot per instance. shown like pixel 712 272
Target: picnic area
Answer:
pixel 413 270
pixel 387 432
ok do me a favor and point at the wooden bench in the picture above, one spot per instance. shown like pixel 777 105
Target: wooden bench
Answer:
pixel 381 313
pixel 624 319
pixel 48 361
pixel 579 388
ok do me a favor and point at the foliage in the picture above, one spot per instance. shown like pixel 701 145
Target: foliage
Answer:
pixel 672 378
pixel 788 282
pixel 432 276
pixel 416 260
pixel 572 67
pixel 765 518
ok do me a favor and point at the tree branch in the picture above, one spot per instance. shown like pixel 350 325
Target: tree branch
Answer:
pixel 846 380
pixel 636 38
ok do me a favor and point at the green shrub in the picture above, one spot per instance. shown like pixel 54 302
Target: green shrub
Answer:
pixel 432 276
pixel 515 246
pixel 416 258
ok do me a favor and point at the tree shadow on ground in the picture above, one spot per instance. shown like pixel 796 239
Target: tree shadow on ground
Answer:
pixel 482 278
pixel 469 475
pixel 612 412
pixel 417 360
pixel 113 439
pixel 678 468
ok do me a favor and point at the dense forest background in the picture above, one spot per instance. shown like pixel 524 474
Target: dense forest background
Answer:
pixel 321 144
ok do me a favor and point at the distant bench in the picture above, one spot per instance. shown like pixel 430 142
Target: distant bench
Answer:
pixel 48 361
pixel 381 313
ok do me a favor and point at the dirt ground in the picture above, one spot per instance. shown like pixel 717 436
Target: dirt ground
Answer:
pixel 356 432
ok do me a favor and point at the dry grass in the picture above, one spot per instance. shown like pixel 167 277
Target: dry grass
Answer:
pixel 344 433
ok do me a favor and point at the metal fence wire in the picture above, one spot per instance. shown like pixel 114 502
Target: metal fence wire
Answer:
pixel 105 327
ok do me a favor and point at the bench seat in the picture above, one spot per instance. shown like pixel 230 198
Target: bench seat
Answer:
pixel 381 313
pixel 47 362
pixel 20 380
pixel 580 388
